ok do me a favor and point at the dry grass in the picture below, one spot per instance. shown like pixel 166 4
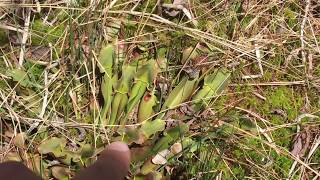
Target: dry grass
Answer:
pixel 271 47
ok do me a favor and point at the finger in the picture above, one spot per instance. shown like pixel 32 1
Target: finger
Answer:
pixel 113 163
pixel 13 170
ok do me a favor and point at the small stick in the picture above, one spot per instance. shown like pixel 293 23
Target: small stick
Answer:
pixel 306 11
pixel 46 93
pixel 310 67
pixel 253 114
pixel 254 76
pixel 258 54
pixel 11 28
pixel 112 3
pixel 24 36
pixel 279 83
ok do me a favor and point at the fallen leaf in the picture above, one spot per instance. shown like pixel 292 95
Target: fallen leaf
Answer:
pixel 20 139
pixel 53 145
pixel 297 147
pixel 38 53
pixel 301 143
pixel 19 76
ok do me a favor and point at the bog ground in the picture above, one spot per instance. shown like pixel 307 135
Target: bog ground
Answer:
pixel 198 89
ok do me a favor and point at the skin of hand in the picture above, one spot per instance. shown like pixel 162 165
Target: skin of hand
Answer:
pixel 14 170
pixel 113 163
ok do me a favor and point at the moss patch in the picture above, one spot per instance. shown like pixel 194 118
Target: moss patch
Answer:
pixel 45 34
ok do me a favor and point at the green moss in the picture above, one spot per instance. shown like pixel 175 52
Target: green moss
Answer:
pixel 44 34
pixel 202 24
pixel 3 67
pixel 34 72
pixel 265 109
pixel 286 99
pixel 317 71
pixel 218 28
pixel 220 103
pixel 291 17
pixel 282 164
pixel 246 21
pixel 268 75
pixel 314 100
pixel 147 6
pixel 62 15
pixel 246 123
pixel 239 172
pixel 73 132
pixel 3 85
pixel 280 98
pixel 282 136
pixel 208 161
pixel 255 156
pixel 225 23
pixel 253 101
pixel 316 156
pixel 252 142
pixel 238 153
pixel 225 131
pixel 278 61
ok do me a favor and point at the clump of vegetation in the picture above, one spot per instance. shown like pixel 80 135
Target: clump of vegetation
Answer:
pixel 198 90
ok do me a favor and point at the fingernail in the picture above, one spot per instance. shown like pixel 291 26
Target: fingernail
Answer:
pixel 118 146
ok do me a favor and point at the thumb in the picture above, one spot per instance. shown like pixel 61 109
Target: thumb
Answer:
pixel 113 163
